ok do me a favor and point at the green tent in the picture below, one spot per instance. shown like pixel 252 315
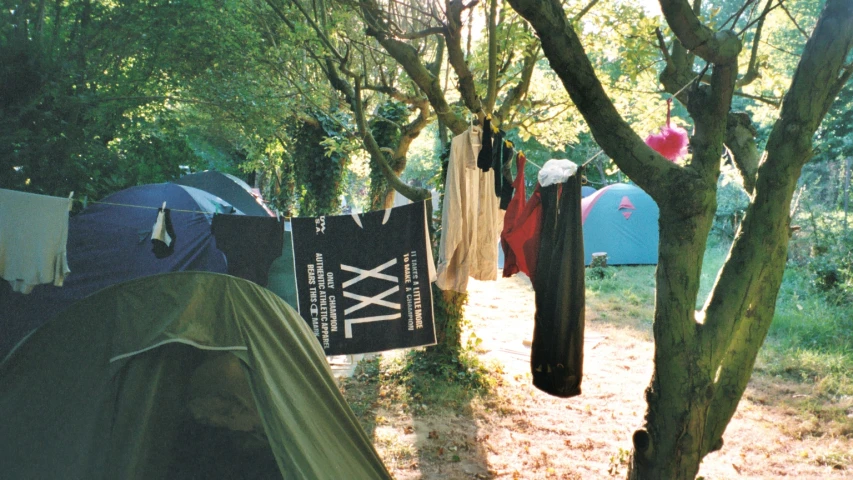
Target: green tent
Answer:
pixel 181 375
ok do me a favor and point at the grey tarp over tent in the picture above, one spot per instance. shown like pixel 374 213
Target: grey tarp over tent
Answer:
pixel 108 388
pixel 229 188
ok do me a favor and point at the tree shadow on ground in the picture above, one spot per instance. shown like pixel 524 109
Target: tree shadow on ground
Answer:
pixel 420 416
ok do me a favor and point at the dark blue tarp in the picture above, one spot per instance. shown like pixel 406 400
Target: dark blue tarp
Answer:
pixel 110 244
pixel 231 189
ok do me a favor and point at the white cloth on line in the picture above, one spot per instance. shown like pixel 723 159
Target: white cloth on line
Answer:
pixel 33 239
pixel 556 171
pixel 158 232
pixel 470 219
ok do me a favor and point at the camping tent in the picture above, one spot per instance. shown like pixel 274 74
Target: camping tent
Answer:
pixel 180 375
pixel 110 242
pixel 587 191
pixel 282 277
pixel 621 220
pixel 229 188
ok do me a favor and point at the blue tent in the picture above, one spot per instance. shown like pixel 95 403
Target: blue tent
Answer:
pixel 110 243
pixel 587 191
pixel 282 277
pixel 622 221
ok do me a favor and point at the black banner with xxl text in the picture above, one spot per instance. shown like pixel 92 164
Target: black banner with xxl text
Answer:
pixel 363 280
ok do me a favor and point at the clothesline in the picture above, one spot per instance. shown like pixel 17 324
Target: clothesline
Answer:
pixel 203 212
pixel 85 202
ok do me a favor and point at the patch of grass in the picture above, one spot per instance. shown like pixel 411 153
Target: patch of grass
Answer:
pixel 417 380
pixel 393 447
pixel 622 296
pixel 810 340
pixel 715 257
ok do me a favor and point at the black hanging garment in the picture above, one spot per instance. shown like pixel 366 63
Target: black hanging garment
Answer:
pixel 484 158
pixel 501 158
pixel 250 244
pixel 163 234
pixel 556 358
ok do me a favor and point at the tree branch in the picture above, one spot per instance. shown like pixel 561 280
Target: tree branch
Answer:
pixel 793 20
pixel 492 83
pixel 320 33
pixel 373 149
pixel 567 57
pixel 714 47
pixel 584 11
pixel 752 70
pixel 774 101
pixel 408 58
pixel 456 56
pixel 662 45
pixel 421 34
pixel 519 91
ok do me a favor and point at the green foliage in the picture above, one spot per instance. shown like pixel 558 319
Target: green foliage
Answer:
pixel 836 131
pixel 599 273
pixel 323 151
pixel 386 129
pixel 732 201
pixel 824 249
pixel 423 164
pixel 811 338
pixel 85 88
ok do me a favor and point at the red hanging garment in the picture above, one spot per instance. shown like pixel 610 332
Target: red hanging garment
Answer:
pixel 515 207
pixel 522 224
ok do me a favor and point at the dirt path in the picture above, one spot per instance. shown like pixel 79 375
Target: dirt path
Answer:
pixel 522 433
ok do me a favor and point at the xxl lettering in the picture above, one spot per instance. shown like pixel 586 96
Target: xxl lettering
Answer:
pixel 365 301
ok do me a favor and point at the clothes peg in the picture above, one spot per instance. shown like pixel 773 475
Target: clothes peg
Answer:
pixel 508 144
pixel 70 200
pixel 164 206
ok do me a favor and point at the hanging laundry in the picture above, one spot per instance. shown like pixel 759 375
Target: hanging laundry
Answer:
pixel 556 171
pixel 470 219
pixel 250 244
pixel 513 210
pixel 520 235
pixel 484 158
pixel 364 280
pixel 556 358
pixel 523 239
pixel 33 239
pixel 282 277
pixel 163 234
pixel 501 159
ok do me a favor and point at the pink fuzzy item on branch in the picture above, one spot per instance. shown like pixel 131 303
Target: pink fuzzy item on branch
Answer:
pixel 671 142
